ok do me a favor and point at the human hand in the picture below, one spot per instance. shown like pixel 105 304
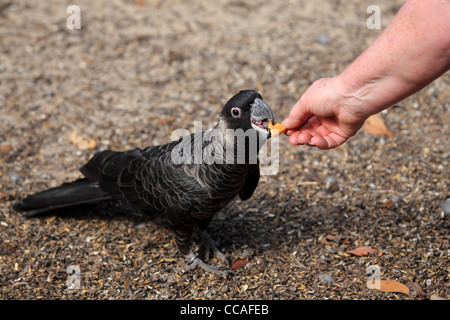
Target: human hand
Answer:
pixel 325 116
pixel 410 53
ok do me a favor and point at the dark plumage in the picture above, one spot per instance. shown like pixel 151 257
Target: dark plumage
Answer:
pixel 168 182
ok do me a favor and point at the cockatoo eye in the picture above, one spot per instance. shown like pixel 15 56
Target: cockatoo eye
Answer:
pixel 236 112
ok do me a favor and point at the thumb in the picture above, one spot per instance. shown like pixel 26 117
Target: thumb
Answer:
pixel 297 117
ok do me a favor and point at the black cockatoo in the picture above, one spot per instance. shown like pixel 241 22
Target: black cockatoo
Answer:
pixel 183 183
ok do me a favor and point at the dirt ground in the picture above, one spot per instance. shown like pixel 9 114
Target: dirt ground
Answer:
pixel 138 70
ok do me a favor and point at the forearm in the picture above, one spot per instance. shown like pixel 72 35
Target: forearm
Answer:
pixel 412 51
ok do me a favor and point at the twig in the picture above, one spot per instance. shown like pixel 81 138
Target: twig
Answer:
pixel 307 183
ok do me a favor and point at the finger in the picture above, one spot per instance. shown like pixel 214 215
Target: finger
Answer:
pixel 293 139
pixel 304 138
pixel 334 140
pixel 319 126
pixel 289 132
pixel 329 141
pixel 320 142
pixel 303 135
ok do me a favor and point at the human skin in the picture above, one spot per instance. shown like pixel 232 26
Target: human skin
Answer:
pixel 410 53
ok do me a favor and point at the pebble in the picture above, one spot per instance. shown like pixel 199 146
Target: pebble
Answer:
pixel 322 39
pixel 326 278
pixel 445 206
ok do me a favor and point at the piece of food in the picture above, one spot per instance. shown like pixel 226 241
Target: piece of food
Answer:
pixel 276 129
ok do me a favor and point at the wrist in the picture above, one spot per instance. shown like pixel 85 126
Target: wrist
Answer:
pixel 372 92
pixel 355 96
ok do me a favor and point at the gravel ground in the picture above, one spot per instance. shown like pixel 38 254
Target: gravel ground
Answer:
pixel 138 70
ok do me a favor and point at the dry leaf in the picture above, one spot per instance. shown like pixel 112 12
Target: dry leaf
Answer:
pixel 388 286
pixel 327 240
pixel 389 204
pixel 80 142
pixel 6 147
pixel 375 125
pixel 239 264
pixel 363 251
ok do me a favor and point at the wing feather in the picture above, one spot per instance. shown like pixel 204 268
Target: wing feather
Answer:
pixel 148 181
